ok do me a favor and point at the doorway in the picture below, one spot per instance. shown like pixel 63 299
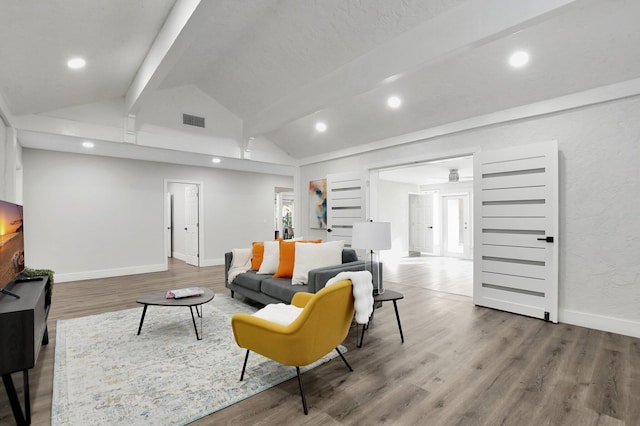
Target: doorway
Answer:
pixel 429 207
pixel 183 221
pixel 284 213
pixel 456 229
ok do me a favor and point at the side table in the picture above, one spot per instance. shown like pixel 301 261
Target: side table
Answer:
pixel 388 295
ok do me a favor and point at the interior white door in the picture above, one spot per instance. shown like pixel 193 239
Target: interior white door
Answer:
pixel 345 205
pixel 168 224
pixel 192 224
pixel 516 230
pixel 421 223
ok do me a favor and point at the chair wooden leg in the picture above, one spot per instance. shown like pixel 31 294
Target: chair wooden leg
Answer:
pixel 344 359
pixel 304 401
pixel 244 366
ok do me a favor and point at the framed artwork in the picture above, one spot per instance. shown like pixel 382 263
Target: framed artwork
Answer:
pixel 318 204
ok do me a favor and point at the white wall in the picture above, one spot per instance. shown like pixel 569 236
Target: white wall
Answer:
pixel 3 160
pixel 599 237
pixel 91 216
pixel 10 165
pixel 394 207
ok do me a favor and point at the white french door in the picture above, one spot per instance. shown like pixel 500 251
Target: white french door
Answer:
pixel 516 230
pixel 345 205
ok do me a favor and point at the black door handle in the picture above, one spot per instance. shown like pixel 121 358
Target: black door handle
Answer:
pixel 430 227
pixel 329 230
pixel 547 239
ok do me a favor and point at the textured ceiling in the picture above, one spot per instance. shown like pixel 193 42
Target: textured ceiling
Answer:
pixel 38 37
pixel 280 65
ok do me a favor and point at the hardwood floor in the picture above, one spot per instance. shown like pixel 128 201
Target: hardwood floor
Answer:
pixel 459 365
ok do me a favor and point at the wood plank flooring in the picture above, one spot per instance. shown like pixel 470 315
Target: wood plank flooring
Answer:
pixel 459 365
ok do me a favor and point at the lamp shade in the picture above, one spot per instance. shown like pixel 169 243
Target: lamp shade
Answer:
pixel 371 235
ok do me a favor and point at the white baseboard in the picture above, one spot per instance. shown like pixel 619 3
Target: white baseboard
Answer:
pixel 107 273
pixel 212 262
pixel 600 322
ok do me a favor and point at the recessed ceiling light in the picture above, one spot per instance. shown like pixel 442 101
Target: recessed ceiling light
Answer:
pixel 394 102
pixel 216 160
pixel 76 63
pixel 321 127
pixel 88 144
pixel 519 59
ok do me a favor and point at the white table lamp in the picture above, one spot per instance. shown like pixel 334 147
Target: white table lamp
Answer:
pixel 372 236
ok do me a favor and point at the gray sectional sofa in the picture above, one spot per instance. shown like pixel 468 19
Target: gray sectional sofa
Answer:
pixel 266 289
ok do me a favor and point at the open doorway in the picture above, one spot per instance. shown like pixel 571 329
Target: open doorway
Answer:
pixel 183 221
pixel 429 207
pixel 284 213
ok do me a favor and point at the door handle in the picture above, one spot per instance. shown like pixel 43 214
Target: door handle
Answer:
pixel 547 239
pixel 430 227
pixel 329 230
pixel 185 229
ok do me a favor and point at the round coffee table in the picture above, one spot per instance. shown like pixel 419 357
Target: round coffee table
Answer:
pixel 159 299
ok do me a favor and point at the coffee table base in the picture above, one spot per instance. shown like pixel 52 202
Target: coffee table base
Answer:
pixel 195 327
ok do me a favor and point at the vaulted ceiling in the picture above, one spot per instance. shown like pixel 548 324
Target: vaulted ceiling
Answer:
pixel 266 71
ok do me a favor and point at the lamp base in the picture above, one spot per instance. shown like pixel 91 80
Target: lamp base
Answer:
pixel 373 265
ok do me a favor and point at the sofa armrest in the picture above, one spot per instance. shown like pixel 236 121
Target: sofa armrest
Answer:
pixel 228 258
pixel 318 277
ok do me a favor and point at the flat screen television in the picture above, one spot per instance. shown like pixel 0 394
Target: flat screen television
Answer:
pixel 11 242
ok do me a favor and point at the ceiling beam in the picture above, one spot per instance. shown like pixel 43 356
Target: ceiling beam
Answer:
pixel 5 115
pixel 465 27
pixel 184 23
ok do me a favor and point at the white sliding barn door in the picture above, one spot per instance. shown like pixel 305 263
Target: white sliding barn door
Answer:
pixel 516 232
pixel 345 205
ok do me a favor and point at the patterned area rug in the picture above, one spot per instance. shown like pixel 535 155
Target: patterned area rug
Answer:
pixel 105 374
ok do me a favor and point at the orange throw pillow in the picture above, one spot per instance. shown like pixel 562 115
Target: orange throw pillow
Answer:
pixel 257 255
pixel 288 256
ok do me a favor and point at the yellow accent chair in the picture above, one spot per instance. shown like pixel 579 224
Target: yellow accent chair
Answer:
pixel 321 326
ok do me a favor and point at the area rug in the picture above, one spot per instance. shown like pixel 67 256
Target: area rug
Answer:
pixel 105 374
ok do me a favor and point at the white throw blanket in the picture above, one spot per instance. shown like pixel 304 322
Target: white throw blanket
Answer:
pixel 279 313
pixel 240 263
pixel 362 292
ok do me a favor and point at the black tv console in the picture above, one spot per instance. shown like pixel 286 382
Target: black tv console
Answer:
pixel 23 330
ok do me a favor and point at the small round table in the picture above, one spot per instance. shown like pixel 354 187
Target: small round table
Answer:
pixel 388 295
pixel 159 299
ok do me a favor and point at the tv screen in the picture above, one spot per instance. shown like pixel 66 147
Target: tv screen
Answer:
pixel 11 242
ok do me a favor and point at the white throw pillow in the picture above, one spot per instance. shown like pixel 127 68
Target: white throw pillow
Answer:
pixel 279 313
pixel 312 256
pixel 271 257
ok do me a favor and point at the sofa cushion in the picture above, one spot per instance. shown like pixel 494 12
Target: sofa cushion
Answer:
pixel 312 256
pixel 271 257
pixel 281 288
pixel 257 254
pixel 349 255
pixel 250 280
pixel 287 257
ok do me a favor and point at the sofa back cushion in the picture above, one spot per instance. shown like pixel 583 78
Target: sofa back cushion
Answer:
pixel 349 255
pixel 312 256
pixel 287 257
pixel 257 254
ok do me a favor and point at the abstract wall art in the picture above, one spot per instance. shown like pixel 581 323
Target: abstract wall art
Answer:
pixel 318 204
